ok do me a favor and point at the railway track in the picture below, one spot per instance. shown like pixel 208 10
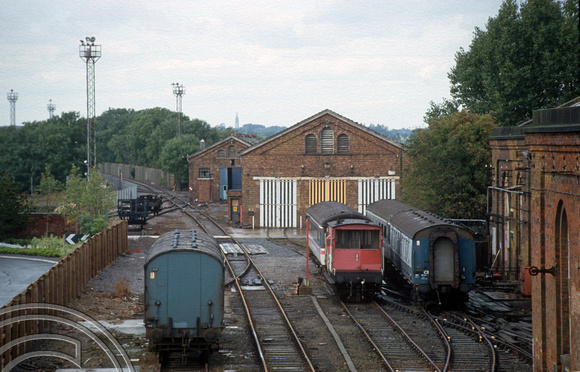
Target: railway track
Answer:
pixel 450 341
pixel 278 346
pixel 403 342
pixel 468 337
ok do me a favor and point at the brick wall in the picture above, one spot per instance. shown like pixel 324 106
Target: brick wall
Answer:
pixel 509 203
pixel 204 190
pixel 556 301
pixel 285 157
pixel 57 226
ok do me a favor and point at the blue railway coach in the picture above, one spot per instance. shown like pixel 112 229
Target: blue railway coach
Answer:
pixel 184 292
pixel 436 257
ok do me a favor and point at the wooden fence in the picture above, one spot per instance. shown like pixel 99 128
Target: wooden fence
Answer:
pixel 59 286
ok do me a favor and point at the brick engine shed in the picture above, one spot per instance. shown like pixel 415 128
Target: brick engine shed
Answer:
pixel 536 216
pixel 215 170
pixel 324 157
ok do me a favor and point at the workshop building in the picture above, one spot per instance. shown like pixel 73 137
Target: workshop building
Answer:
pixel 325 157
pixel 215 170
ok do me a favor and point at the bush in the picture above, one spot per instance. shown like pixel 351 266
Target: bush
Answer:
pixel 44 252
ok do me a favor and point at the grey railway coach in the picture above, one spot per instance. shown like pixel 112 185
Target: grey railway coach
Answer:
pixel 184 292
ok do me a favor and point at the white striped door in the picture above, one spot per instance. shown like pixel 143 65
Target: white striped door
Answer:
pixel 278 203
pixel 373 189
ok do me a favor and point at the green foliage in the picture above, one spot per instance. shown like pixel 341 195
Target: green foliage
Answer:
pixel 59 142
pixel 447 175
pixel 45 252
pixel 123 136
pixel 87 202
pixel 13 208
pixel 49 188
pixel 526 59
pixel 51 246
pixel 173 152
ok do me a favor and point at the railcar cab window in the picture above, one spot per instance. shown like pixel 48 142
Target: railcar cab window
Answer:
pixel 203 173
pixel 357 239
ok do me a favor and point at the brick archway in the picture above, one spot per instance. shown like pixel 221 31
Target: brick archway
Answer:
pixel 562 253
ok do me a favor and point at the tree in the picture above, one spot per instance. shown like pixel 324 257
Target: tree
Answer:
pixel 174 151
pixel 526 59
pixel 447 175
pixel 49 188
pixel 13 208
pixel 87 202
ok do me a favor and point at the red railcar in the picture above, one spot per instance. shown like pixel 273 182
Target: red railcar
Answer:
pixel 349 246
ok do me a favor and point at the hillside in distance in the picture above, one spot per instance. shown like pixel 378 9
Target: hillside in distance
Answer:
pixel 263 132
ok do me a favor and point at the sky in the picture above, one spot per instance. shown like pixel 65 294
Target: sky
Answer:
pixel 271 62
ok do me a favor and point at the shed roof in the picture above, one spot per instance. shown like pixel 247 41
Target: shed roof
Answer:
pixel 406 217
pixel 244 139
pixel 314 117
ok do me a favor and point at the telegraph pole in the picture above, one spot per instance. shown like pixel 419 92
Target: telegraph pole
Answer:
pixel 90 53
pixel 12 98
pixel 179 91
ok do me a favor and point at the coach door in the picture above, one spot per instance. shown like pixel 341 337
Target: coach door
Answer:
pixel 444 258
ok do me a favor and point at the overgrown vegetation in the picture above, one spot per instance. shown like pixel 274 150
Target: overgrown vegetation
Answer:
pixel 52 246
pixel 447 175
pixel 526 59
pixel 124 136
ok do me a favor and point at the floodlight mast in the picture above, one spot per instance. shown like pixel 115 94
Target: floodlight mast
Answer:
pixel 90 53
pixel 12 98
pixel 50 107
pixel 178 91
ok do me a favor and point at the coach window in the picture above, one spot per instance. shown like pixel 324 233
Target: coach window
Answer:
pixel 203 173
pixel 327 141
pixel 343 144
pixel 310 145
pixel 221 154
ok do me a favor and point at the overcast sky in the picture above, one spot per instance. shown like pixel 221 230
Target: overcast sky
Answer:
pixel 272 62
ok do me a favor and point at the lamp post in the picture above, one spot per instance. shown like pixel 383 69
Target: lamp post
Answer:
pixel 178 91
pixel 90 53
pixel 50 107
pixel 12 98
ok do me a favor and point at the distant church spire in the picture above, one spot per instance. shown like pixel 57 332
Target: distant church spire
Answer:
pixel 237 126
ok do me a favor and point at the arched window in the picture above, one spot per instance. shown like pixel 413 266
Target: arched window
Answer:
pixel 310 145
pixel 327 141
pixel 343 144
pixel 221 154
pixel 232 152
pixel 562 261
